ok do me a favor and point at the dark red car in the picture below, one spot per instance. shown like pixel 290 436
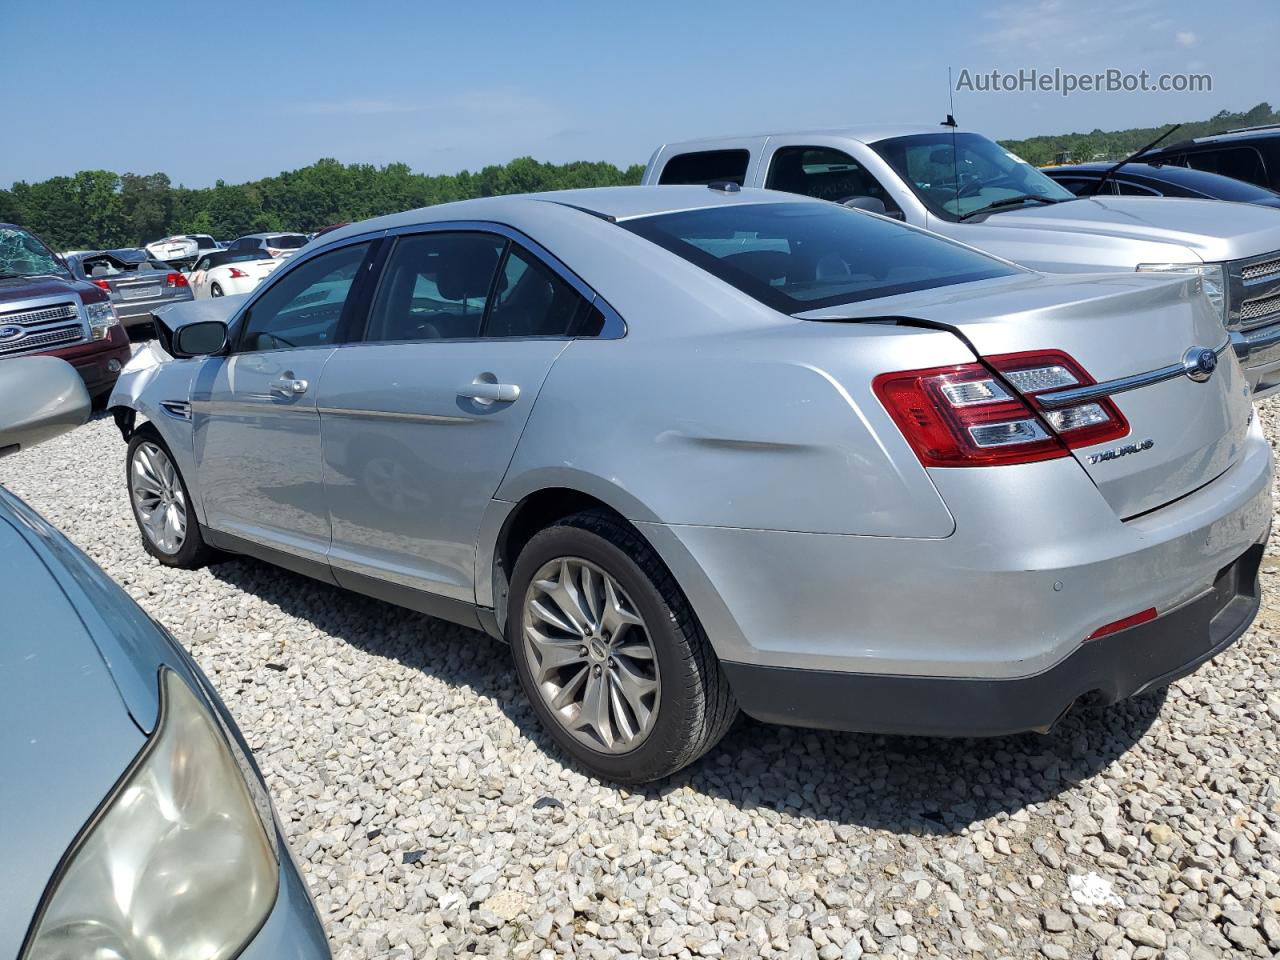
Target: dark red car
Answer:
pixel 46 310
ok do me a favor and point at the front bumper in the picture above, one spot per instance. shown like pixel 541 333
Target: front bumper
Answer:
pixel 1108 669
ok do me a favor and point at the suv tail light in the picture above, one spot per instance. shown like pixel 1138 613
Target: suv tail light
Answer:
pixel 964 416
pixel 102 285
pixel 176 280
pixel 237 274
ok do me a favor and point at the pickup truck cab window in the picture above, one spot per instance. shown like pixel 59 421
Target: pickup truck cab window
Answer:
pixel 958 174
pixel 825 173
pixel 707 166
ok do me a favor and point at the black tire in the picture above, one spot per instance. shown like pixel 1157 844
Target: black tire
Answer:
pixel 695 706
pixel 215 290
pixel 194 552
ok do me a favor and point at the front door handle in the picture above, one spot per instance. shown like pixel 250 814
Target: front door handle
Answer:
pixel 490 392
pixel 286 386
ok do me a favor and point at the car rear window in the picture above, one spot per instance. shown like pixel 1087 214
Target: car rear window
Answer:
pixel 287 242
pixel 795 257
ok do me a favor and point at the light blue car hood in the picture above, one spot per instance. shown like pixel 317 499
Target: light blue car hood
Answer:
pixel 66 735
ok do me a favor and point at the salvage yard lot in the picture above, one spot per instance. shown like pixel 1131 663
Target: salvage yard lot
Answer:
pixel 434 819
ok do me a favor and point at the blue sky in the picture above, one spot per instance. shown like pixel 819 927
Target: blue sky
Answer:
pixel 239 91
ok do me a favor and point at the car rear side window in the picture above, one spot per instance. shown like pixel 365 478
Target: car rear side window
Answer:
pixel 1240 163
pixel 304 307
pixel 795 257
pixel 532 300
pixel 435 287
pixel 826 174
pixel 707 166
pixel 287 242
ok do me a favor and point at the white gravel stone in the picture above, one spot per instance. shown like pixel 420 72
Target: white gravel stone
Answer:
pixel 432 817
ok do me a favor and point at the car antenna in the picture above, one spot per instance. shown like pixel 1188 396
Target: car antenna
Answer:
pixel 1129 159
pixel 951 122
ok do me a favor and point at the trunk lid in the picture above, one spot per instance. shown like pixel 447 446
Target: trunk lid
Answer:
pixel 1183 433
pixel 139 285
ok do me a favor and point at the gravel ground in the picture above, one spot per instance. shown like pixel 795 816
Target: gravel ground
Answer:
pixel 433 819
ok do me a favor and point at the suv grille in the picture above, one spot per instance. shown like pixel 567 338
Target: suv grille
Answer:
pixel 43 328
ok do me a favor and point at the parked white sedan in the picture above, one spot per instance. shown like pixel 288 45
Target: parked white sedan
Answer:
pixel 226 272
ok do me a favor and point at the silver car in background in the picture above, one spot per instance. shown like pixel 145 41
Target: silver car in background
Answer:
pixel 689 449
pixel 136 286
pixel 133 819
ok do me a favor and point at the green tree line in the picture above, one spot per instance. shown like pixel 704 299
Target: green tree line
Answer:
pixel 97 209
pixel 1118 144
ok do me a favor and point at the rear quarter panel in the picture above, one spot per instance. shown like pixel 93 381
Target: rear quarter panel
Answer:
pixel 768 429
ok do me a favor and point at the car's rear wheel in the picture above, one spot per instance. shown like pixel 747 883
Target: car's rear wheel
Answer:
pixel 610 654
pixel 215 290
pixel 161 503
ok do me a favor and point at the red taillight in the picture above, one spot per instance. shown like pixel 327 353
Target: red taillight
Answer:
pixel 103 285
pixel 238 274
pixel 1042 371
pixel 176 280
pixel 966 415
pixel 962 416
pixel 1145 616
pixel 274 253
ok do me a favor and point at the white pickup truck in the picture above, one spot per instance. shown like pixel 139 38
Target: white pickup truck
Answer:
pixel 969 188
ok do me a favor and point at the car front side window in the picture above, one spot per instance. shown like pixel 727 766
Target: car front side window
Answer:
pixel 304 307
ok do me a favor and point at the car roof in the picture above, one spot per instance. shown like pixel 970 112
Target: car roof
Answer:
pixel 867 133
pixel 609 203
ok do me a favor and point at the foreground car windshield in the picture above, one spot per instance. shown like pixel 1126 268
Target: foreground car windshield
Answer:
pixel 22 255
pixel 955 174
pixel 795 257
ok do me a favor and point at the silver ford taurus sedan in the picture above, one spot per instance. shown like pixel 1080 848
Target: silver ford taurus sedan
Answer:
pixel 691 449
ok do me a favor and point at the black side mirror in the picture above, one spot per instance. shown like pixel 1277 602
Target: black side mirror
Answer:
pixel 200 339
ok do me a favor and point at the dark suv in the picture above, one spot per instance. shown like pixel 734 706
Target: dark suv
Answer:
pixel 1250 153
pixel 45 309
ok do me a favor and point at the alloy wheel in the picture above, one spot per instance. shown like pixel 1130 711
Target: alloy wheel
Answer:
pixel 591 655
pixel 158 498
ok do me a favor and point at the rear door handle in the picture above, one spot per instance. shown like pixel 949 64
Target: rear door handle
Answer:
pixel 288 387
pixel 491 392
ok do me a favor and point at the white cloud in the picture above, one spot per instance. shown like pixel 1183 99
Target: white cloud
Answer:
pixel 1186 38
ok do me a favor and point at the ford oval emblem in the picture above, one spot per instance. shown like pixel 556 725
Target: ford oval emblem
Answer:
pixel 1198 363
pixel 10 333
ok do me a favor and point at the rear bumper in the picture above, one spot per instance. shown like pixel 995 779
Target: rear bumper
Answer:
pixel 133 313
pixel 1108 669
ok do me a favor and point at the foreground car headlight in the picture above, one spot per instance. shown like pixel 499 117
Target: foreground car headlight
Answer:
pixel 1212 276
pixel 102 317
pixel 176 865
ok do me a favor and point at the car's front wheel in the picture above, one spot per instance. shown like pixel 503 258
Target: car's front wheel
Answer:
pixel 609 652
pixel 161 503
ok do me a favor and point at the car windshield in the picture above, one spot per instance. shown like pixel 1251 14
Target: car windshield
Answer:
pixel 290 242
pixel 958 174
pixel 795 257
pixel 23 255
